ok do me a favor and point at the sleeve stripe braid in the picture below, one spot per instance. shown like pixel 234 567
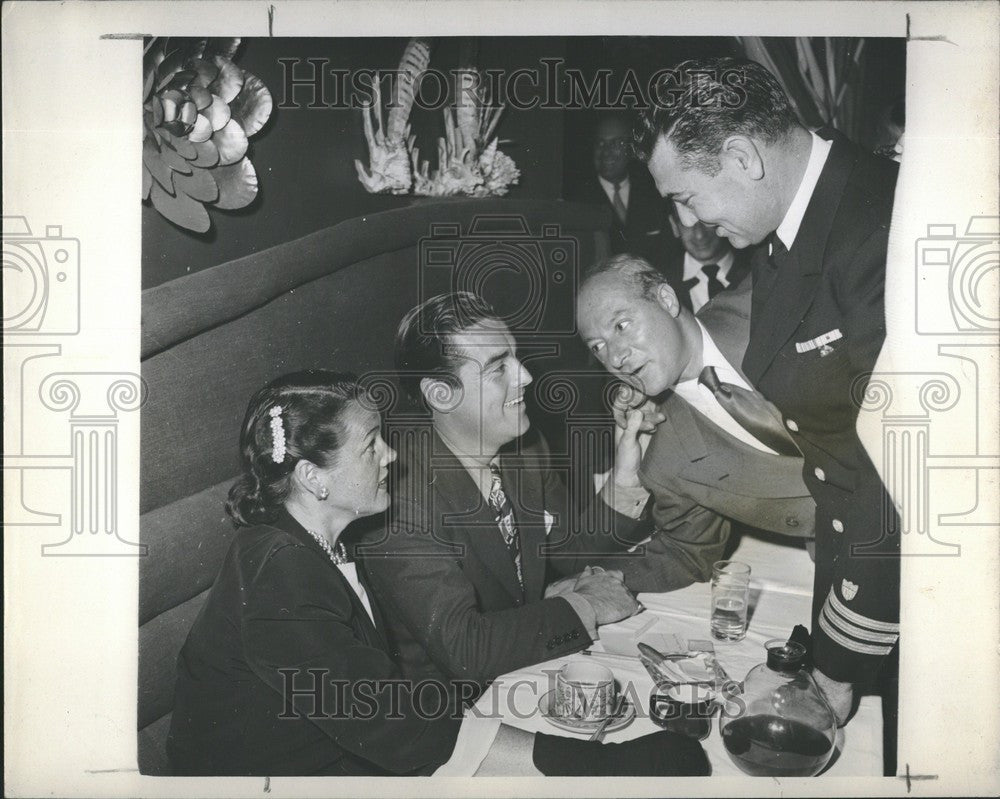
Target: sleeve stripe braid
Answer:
pixel 847 643
pixel 857 618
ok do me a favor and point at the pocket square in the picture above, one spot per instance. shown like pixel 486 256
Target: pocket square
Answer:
pixel 820 342
pixel 549 521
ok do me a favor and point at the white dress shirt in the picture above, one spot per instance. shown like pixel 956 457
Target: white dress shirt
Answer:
pixel 789 227
pixel 704 401
pixel 350 572
pixel 692 268
pixel 609 189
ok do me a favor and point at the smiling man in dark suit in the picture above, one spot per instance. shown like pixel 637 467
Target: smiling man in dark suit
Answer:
pixel 708 465
pixel 479 516
pixel 729 147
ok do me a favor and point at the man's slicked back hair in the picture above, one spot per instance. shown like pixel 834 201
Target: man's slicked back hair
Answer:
pixel 699 103
pixel 423 339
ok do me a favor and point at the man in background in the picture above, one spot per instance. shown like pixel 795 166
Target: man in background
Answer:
pixel 707 264
pixel 638 213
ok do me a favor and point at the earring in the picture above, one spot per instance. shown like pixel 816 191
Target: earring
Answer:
pixel 323 493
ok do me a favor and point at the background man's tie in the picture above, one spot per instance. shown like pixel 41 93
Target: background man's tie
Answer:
pixel 748 410
pixel 618 204
pixel 714 284
pixel 505 521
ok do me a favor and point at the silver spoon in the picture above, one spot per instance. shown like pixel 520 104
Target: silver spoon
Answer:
pixel 598 734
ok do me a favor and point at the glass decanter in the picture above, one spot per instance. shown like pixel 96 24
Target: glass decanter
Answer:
pixel 781 725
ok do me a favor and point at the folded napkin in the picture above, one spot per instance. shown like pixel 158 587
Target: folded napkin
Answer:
pixel 660 754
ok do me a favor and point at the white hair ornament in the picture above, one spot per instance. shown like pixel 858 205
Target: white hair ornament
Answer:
pixel 277 435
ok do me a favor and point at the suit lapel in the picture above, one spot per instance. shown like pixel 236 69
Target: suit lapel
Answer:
pixel 715 458
pixel 738 468
pixel 464 513
pixel 778 312
pixel 740 268
pixel 524 491
pixel 684 426
pixel 362 622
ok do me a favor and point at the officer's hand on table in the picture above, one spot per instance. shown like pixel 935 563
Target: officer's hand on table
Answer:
pixel 627 398
pixel 607 595
pixel 840 695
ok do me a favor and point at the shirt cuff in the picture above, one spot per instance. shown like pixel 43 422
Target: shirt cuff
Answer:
pixel 586 613
pixel 627 501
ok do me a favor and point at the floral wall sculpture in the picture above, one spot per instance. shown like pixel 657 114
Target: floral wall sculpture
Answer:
pixel 469 161
pixel 199 111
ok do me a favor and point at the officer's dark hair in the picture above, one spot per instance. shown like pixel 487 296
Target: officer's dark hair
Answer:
pixel 423 339
pixel 644 277
pixel 699 103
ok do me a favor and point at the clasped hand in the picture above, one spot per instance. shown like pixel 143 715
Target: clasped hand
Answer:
pixel 604 590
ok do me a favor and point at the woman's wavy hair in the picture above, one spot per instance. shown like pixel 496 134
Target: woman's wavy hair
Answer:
pixel 312 406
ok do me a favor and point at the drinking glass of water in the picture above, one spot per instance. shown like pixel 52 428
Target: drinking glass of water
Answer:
pixel 730 596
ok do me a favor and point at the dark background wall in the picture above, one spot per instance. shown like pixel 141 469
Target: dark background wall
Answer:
pixel 304 157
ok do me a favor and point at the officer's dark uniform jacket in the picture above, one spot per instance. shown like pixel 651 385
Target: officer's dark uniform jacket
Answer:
pixel 817 326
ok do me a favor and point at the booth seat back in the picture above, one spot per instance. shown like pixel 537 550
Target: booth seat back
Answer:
pixel 330 300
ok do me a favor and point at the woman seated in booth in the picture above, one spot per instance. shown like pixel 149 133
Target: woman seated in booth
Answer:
pixel 286 671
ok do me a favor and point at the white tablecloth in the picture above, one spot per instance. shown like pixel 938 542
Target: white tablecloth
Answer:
pixel 780 598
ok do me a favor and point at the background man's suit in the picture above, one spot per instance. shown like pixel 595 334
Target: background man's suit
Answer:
pixel 832 282
pixel 701 478
pixel 673 270
pixel 646 229
pixel 446 579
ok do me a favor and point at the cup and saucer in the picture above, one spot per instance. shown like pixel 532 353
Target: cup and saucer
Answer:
pixel 584 696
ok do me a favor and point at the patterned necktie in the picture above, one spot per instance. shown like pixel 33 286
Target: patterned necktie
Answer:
pixel 714 284
pixel 618 204
pixel 505 521
pixel 748 411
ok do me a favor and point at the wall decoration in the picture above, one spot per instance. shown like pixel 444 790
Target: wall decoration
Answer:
pixel 469 161
pixel 199 110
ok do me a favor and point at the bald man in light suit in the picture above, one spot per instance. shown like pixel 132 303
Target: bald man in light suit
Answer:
pixel 702 469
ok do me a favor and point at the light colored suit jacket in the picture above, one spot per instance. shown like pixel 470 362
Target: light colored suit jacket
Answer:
pixel 702 479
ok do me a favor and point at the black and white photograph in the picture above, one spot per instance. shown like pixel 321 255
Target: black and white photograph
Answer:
pixel 467 405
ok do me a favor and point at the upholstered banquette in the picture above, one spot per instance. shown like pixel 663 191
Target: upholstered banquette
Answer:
pixel 329 300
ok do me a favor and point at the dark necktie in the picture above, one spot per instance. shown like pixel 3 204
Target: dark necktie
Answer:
pixel 714 284
pixel 747 409
pixel 505 521
pixel 764 279
pixel 618 204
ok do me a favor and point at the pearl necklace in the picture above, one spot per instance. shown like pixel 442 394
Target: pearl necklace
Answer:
pixel 336 554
